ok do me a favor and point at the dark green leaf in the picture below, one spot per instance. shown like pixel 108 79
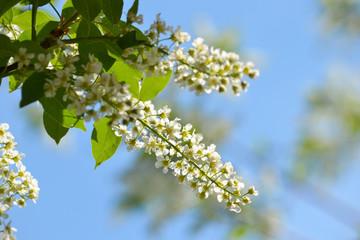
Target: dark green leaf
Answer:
pixel 133 10
pixel 89 9
pixel 152 86
pixel 42 31
pixel 31 46
pixel 68 10
pixel 130 39
pixel 39 2
pixel 97 48
pixel 113 9
pixel 56 108
pixel 6 48
pixel 6 5
pixel 33 88
pixel 7 17
pixel 104 142
pixel 130 75
pixel 55 130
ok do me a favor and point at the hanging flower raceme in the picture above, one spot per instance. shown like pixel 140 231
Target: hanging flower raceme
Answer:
pixel 201 68
pixel 179 149
pixel 17 185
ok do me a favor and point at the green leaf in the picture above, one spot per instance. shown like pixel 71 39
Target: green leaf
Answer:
pixel 7 17
pixel 39 2
pixel 6 48
pixel 128 74
pixel 24 19
pixel 130 39
pixel 134 9
pixel 55 130
pixel 152 86
pixel 89 9
pixel 104 142
pixel 15 80
pixel 56 108
pixel 6 5
pixel 31 46
pixel 42 31
pixel 33 88
pixel 68 10
pixel 113 9
pixel 97 48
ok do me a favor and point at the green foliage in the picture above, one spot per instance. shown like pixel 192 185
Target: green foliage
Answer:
pixel 104 142
pixel 97 48
pixel 152 86
pixel 131 39
pixel 7 17
pixel 112 10
pixel 89 9
pixel 39 2
pixel 56 109
pixel 6 48
pixel 55 130
pixel 68 9
pixel 33 88
pixel 127 74
pixel 5 5
pixel 24 19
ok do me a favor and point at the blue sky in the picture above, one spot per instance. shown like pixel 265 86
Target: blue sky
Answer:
pixel 77 202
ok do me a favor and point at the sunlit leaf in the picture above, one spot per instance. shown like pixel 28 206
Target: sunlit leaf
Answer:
pixel 24 19
pixel 130 75
pixel 152 86
pixel 104 142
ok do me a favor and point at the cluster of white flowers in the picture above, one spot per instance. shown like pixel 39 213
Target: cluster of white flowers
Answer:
pixel 23 59
pixel 94 94
pixel 17 184
pixel 204 68
pixel 180 149
pixel 152 60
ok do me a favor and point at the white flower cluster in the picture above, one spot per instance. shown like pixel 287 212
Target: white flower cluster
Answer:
pixel 24 59
pixel 152 60
pixel 202 68
pixel 205 68
pixel 179 149
pixel 92 95
pixel 17 184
